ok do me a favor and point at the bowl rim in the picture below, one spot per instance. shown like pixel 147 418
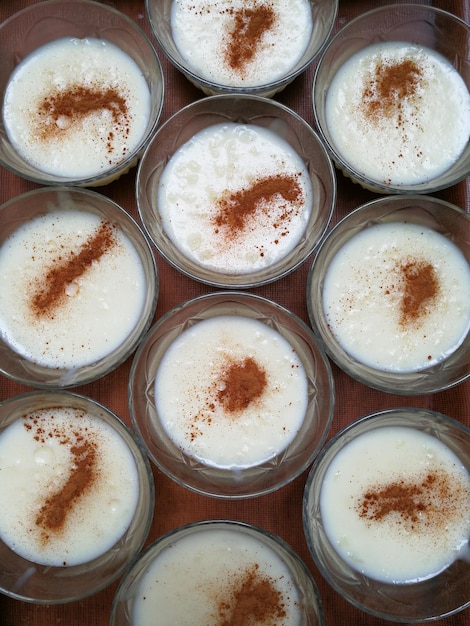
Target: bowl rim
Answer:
pixel 105 177
pixel 75 398
pixel 368 183
pixel 153 285
pixel 246 297
pixel 245 280
pixel 342 358
pixel 374 416
pixel 210 87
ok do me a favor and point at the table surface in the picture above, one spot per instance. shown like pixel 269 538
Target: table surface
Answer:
pixel 280 512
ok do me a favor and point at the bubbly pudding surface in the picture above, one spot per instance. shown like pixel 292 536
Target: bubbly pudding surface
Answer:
pixel 398 113
pixel 396 296
pixel 76 107
pixel 231 392
pixel 69 486
pixel 73 289
pixel 217 577
pixel 395 504
pixel 235 198
pixel 238 43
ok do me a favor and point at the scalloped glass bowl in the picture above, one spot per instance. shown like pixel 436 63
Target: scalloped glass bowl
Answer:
pixel 129 592
pixel 419 24
pixel 20 210
pixel 242 110
pixel 46 21
pixel 31 582
pixel 439 215
pixel 323 18
pixel 221 482
pixel 427 600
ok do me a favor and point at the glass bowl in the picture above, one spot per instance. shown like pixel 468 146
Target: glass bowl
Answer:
pixel 255 113
pixel 32 333
pixel 238 560
pixel 94 561
pixel 371 353
pixel 200 73
pixel 83 20
pixel 413 599
pixel 253 465
pixel 424 27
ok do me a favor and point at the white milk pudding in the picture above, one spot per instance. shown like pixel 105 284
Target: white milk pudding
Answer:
pixel 398 113
pixel 396 297
pixel 235 198
pixel 238 43
pixel 395 504
pixel 76 107
pixel 73 289
pixel 217 577
pixel 231 392
pixel 68 486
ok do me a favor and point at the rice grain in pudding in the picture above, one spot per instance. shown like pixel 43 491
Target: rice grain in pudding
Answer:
pixel 76 107
pixel 231 392
pixel 68 486
pixel 239 43
pixel 235 198
pixel 398 113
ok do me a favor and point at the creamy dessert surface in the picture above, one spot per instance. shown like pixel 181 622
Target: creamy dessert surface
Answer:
pixel 235 198
pixel 76 107
pixel 68 486
pixel 395 504
pixel 398 113
pixel 231 392
pixel 396 297
pixel 239 43
pixel 214 578
pixel 73 289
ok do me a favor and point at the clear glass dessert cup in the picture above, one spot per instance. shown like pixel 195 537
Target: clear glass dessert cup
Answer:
pixel 323 18
pixel 47 21
pixel 127 595
pixel 268 114
pixel 24 580
pixel 19 211
pixel 422 25
pixel 427 600
pixel 434 213
pixel 221 482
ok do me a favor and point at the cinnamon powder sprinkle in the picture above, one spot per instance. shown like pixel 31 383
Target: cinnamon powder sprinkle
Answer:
pixel 421 287
pixel 252 600
pixel 52 289
pixel 236 208
pixel 430 501
pixel 61 110
pixel 390 85
pixel 83 473
pixel 242 384
pixel 250 24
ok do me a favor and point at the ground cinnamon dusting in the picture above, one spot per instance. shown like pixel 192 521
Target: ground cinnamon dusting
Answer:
pixel 390 85
pixel 430 501
pixel 61 110
pixel 52 290
pixel 235 209
pixel 242 384
pixel 421 286
pixel 250 24
pixel 253 600
pixel 53 512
